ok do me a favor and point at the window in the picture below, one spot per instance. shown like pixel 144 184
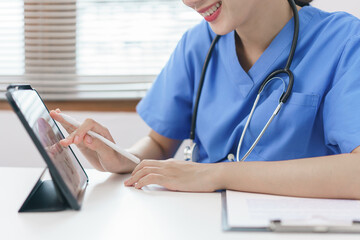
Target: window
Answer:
pixel 88 49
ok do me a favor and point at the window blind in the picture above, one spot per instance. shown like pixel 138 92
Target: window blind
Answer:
pixel 87 49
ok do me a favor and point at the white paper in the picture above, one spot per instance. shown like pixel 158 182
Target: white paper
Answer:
pixel 257 210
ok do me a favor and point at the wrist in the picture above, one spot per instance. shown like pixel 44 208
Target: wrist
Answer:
pixel 226 173
pixel 218 173
pixel 125 165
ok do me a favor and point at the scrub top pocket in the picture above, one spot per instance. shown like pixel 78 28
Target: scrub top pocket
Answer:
pixel 289 134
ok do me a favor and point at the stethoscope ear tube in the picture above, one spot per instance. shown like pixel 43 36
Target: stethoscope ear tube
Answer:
pixel 276 111
pixel 287 70
pixel 284 97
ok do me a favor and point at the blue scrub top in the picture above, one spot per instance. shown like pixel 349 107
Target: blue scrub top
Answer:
pixel 321 117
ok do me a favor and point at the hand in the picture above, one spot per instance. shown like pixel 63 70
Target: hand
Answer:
pixel 176 175
pixel 101 156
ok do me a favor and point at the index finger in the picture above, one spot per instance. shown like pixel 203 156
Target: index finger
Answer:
pixel 54 114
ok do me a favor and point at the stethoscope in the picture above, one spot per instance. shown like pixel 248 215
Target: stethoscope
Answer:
pixel 191 153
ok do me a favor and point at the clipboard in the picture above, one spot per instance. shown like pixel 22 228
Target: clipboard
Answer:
pixel 348 222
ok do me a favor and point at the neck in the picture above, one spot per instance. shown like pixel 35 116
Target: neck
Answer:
pixel 256 34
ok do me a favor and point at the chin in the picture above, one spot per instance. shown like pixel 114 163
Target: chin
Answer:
pixel 220 30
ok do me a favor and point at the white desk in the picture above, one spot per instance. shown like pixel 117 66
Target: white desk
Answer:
pixel 112 211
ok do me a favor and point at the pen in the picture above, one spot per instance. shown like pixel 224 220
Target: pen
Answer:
pixel 101 138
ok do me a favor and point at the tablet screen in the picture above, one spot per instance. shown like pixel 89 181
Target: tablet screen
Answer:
pixel 49 135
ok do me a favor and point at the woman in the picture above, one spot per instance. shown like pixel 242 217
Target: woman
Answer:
pixel 311 149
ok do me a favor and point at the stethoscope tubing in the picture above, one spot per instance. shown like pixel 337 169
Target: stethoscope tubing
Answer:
pixel 201 83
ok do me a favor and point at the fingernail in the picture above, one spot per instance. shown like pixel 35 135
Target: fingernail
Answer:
pixel 128 181
pixel 64 142
pixel 76 139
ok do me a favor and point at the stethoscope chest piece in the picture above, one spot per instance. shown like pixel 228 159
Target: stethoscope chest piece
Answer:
pixel 191 152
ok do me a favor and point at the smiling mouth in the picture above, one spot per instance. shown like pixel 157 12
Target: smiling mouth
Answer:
pixel 211 10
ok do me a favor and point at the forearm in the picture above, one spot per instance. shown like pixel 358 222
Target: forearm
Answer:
pixel 154 146
pixel 147 148
pixel 336 176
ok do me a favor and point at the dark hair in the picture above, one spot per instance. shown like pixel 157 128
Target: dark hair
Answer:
pixel 302 3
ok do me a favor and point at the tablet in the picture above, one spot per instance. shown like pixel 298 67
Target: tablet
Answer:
pixel 69 179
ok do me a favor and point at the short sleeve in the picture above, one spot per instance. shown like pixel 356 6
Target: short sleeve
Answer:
pixel 167 107
pixel 342 102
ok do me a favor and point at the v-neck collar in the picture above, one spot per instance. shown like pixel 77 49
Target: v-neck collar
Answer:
pixel 246 80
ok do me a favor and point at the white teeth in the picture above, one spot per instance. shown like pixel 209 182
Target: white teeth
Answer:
pixel 211 10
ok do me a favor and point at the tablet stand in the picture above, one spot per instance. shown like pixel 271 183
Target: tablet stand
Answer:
pixel 44 197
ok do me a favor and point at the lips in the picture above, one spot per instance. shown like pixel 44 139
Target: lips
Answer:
pixel 211 12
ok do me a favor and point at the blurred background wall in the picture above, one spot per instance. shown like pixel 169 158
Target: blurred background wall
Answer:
pixel 351 6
